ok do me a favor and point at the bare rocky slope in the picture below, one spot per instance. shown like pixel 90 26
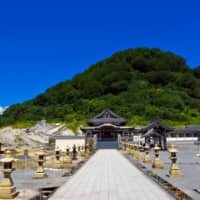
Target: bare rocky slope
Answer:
pixel 34 136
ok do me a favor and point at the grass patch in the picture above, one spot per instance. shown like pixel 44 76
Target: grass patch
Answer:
pixel 24 124
pixel 153 174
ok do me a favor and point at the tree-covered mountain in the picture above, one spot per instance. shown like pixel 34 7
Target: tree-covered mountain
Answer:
pixel 140 84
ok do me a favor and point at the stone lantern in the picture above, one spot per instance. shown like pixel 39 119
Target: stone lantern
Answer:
pixel 87 154
pixel 79 152
pixel 132 150
pixel 136 151
pixel 156 162
pixel 74 152
pixel 1 148
pixel 147 158
pixel 40 172
pixel 8 152
pixel 140 154
pixel 7 188
pixel 58 164
pixel 125 146
pixel 67 160
pixel 174 169
pixel 82 151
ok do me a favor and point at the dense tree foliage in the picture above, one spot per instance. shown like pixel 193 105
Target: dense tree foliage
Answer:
pixel 141 84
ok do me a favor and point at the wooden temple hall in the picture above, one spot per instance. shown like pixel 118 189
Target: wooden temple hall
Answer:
pixel 107 125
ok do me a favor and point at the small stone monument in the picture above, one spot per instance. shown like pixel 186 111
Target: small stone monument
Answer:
pixel 40 172
pixel 7 188
pixel 156 162
pixel 67 162
pixel 58 163
pixel 174 169
pixel 147 158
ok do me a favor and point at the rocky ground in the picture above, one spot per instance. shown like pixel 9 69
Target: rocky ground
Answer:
pixel 32 137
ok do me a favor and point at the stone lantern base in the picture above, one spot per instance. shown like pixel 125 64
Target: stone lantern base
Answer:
pixel 157 164
pixel 140 156
pixel 86 156
pixel 7 190
pixel 58 164
pixel 175 171
pixel 67 163
pixel 40 173
pixel 147 159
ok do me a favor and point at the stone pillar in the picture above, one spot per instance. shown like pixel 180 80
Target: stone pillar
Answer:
pixel 95 142
pixel 156 162
pixel 40 172
pixel 119 140
pixel 147 158
pixel 174 169
pixel 7 188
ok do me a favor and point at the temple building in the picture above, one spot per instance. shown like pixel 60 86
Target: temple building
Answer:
pixel 156 133
pixel 107 125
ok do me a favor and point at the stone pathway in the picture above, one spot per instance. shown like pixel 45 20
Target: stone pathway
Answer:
pixel 109 176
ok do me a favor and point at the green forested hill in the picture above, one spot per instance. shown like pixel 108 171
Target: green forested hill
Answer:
pixel 141 84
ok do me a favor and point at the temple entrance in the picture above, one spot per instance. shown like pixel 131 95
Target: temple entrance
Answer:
pixel 107 135
pixel 107 139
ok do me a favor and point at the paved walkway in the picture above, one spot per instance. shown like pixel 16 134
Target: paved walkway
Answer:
pixel 109 176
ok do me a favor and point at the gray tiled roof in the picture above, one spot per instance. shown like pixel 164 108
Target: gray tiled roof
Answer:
pixel 107 116
pixel 156 124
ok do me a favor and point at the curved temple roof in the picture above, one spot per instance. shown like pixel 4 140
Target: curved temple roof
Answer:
pixel 107 117
pixel 156 124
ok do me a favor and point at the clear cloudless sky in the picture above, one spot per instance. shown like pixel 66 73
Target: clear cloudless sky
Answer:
pixel 45 42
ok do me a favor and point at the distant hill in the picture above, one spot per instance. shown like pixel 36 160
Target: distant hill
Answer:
pixel 140 84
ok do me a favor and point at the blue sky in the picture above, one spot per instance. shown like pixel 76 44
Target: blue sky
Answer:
pixel 45 42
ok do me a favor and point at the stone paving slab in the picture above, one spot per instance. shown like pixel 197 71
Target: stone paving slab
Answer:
pixel 108 175
pixel 189 164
